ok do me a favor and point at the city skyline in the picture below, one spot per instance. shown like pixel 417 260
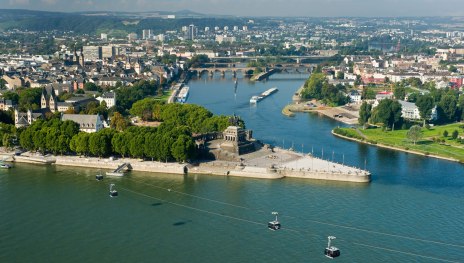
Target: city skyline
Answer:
pixel 284 8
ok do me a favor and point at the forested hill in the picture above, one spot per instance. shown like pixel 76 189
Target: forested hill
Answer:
pixel 117 24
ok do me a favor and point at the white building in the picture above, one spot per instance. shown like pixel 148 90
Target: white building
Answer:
pixel 109 98
pixel 355 96
pixel 146 34
pixel 410 111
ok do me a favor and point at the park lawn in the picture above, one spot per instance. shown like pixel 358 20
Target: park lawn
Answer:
pixel 165 96
pixel 450 149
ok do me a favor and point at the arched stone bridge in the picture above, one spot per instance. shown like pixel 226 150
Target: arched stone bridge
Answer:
pixel 222 70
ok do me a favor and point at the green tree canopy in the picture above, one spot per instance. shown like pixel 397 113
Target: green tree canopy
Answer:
pixel 447 108
pixel 425 104
pixel 388 112
pixel 414 134
pixel 364 113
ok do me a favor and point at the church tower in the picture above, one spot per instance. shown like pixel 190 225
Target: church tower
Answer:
pixel 44 99
pixel 52 101
pixel 76 57
pixel 82 61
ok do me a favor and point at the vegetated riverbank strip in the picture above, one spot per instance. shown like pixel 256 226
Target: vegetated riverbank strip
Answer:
pixel 395 148
pixel 264 166
pixel 345 114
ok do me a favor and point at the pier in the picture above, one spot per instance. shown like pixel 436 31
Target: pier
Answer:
pixel 119 171
pixel 264 75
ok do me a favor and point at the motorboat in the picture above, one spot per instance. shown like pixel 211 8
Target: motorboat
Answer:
pixel 5 166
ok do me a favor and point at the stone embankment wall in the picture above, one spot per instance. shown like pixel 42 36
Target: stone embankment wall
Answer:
pixel 233 169
pixel 27 159
pixel 324 175
pixel 137 165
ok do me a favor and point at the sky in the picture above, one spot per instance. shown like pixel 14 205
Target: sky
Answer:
pixel 307 8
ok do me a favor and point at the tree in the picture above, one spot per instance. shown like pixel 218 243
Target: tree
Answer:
pixel 317 87
pixel 25 140
pixel 183 148
pixel 7 140
pixel 455 134
pixel 2 84
pixel 364 113
pixel 452 68
pixel 118 122
pixel 388 112
pixel 447 108
pixel 340 75
pixel 90 86
pixel 29 98
pixel 120 143
pixel 425 105
pixel 445 133
pixel 6 117
pixel 39 139
pixel 136 143
pixel 414 134
pixel 399 92
pixel 80 143
pixel 151 145
pixel 198 60
pixel 10 95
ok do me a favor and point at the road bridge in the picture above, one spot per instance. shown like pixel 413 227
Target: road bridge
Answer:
pixel 296 59
pixel 222 70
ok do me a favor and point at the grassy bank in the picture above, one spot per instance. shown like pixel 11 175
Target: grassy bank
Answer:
pixel 432 142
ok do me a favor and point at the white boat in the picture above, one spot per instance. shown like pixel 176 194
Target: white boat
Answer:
pixel 263 95
pixel 255 99
pixel 117 174
pixel 183 94
pixel 5 166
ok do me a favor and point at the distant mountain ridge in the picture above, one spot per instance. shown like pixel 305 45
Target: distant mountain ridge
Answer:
pixel 26 13
pixel 114 23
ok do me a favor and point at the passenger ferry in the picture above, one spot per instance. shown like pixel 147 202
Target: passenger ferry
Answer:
pixel 183 94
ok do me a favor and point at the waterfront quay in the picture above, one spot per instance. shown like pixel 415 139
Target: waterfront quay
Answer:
pixel 289 163
pixel 266 163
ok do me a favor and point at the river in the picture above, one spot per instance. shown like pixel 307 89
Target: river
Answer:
pixel 412 211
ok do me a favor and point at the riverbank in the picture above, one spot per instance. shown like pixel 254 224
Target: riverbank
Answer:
pixel 272 163
pixel 390 147
pixel 347 114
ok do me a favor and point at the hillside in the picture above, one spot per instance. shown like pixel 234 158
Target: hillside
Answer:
pixel 97 22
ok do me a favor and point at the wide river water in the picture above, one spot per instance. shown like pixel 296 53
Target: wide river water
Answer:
pixel 412 211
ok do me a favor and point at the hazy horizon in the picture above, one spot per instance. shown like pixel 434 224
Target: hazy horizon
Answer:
pixel 283 8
